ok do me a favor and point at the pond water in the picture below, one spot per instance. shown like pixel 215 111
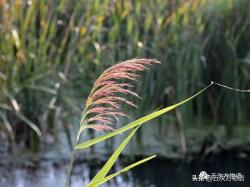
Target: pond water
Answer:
pixel 156 173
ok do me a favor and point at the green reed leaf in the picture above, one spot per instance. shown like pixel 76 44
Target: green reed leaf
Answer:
pixel 105 169
pixel 101 181
pixel 136 122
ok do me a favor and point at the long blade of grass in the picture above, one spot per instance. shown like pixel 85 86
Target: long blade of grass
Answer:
pixel 41 88
pixel 23 118
pixel 8 126
pixel 101 181
pixel 136 123
pixel 105 169
pixel 29 123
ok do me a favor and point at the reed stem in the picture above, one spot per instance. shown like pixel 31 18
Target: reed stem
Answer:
pixel 72 159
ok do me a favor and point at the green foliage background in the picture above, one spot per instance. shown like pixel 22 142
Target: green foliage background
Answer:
pixel 52 51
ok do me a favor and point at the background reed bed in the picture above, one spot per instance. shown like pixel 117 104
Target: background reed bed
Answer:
pixel 52 51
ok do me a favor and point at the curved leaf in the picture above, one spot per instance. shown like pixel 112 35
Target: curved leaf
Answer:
pixel 99 182
pixel 136 123
pixel 105 169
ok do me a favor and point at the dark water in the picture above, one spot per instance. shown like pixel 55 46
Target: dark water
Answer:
pixel 159 173
pixel 169 173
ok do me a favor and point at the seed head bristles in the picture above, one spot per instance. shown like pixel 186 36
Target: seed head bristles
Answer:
pixel 103 103
pixel 230 88
pixel 100 128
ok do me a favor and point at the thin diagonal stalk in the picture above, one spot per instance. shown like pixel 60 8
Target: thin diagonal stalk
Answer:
pixel 73 156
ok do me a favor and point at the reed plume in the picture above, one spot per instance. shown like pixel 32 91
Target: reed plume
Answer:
pixel 108 94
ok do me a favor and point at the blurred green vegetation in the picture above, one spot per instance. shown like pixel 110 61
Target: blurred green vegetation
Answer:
pixel 52 51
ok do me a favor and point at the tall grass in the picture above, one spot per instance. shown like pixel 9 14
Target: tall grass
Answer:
pixel 104 104
pixel 51 51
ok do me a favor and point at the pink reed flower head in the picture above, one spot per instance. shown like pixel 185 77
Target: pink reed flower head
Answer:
pixel 103 103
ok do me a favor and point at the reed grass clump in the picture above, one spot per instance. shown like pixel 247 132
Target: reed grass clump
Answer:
pixel 103 104
pixel 52 51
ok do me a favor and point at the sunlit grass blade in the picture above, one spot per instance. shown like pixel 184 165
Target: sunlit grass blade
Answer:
pixel 105 169
pixel 29 123
pixel 99 182
pixel 136 123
